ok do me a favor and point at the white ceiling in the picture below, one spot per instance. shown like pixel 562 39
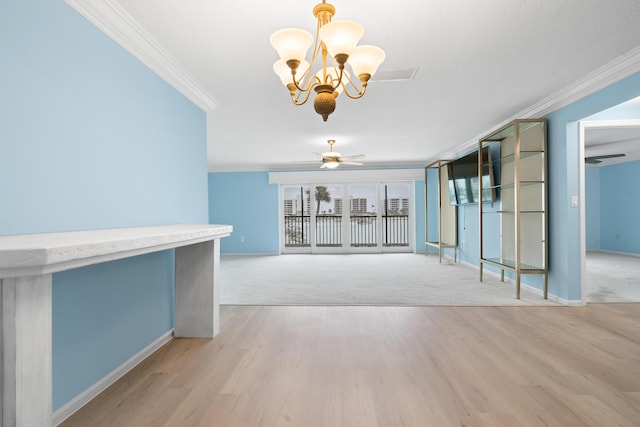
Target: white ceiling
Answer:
pixel 479 63
pixel 613 140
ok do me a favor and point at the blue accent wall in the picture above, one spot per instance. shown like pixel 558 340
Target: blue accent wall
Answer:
pixel 419 203
pixel 469 233
pixel 620 207
pixel 432 212
pixel 91 138
pixel 564 179
pixel 592 208
pixel 247 201
pixel 94 338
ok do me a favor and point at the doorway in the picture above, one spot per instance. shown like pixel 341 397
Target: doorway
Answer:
pixel 608 267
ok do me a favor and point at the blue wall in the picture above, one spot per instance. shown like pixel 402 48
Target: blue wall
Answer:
pixel 247 201
pixel 419 202
pixel 564 173
pixel 469 233
pixel 90 138
pixel 592 208
pixel 433 212
pixel 98 325
pixel 613 207
pixel 620 207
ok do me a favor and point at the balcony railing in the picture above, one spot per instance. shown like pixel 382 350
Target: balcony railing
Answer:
pixel 328 231
pixel 395 230
pixel 363 231
pixel 296 231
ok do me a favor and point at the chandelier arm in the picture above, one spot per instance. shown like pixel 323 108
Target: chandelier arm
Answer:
pixel 312 83
pixel 352 83
pixel 317 46
pixel 359 95
pixel 340 79
pixel 316 49
pixel 304 75
pixel 360 92
pixel 296 100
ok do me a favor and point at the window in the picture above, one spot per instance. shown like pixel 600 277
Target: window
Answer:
pixel 341 218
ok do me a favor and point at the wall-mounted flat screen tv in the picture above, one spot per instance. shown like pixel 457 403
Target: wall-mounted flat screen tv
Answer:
pixel 464 187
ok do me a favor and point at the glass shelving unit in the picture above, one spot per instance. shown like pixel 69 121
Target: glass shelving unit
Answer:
pixel 446 213
pixel 513 230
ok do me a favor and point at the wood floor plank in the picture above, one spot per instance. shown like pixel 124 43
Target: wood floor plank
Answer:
pixel 389 366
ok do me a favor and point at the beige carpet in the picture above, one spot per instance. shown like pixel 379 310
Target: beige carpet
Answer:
pixel 612 277
pixel 367 279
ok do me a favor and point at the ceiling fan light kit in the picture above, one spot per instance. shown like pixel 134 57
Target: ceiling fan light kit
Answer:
pixel 338 39
pixel 332 159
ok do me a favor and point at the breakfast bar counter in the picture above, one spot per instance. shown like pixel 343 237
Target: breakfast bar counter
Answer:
pixel 26 265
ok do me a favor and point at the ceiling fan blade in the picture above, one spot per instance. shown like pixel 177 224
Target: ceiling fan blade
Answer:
pixel 353 163
pixel 315 153
pixel 306 161
pixel 355 156
pixel 594 160
pixel 606 156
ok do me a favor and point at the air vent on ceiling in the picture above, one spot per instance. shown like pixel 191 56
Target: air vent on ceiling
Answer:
pixel 395 75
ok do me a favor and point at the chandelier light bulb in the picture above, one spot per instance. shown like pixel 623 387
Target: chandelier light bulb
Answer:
pixel 291 43
pixel 283 71
pixel 341 37
pixel 366 59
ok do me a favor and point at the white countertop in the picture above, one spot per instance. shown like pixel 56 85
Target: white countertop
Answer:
pixel 31 254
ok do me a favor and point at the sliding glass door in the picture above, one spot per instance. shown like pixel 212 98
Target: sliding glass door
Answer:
pixel 364 224
pixel 296 214
pixel 396 227
pixel 327 220
pixel 347 218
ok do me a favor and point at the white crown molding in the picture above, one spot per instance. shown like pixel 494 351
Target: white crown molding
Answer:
pixel 110 17
pixel 614 71
pixel 610 73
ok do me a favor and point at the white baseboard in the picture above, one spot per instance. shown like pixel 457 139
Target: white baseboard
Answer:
pixel 231 254
pixel 550 296
pixel 614 252
pixel 83 398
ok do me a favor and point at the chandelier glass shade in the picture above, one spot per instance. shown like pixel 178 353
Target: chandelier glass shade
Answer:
pixel 337 40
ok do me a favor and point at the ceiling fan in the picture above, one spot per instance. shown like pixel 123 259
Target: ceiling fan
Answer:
pixel 594 160
pixel 332 159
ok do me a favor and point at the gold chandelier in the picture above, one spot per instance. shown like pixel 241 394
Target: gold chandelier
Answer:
pixel 339 39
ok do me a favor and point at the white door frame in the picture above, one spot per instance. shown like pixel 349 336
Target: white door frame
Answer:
pixel 583 126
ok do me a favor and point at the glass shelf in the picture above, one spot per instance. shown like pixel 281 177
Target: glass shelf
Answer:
pixel 512 185
pixel 511 265
pixel 512 212
pixel 510 158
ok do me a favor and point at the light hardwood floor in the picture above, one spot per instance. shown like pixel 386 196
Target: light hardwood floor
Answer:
pixel 389 366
